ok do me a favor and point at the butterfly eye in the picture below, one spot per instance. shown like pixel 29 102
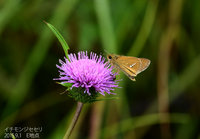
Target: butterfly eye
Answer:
pixel 110 57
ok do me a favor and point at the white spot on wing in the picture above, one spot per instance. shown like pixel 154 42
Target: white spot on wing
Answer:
pixel 132 65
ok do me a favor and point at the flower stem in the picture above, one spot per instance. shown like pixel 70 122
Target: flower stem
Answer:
pixel 75 118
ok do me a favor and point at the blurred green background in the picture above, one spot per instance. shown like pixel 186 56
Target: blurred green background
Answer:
pixel 163 103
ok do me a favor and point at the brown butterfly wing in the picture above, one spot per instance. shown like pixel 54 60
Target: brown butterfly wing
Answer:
pixel 122 62
pixel 144 64
pixel 129 73
pixel 133 64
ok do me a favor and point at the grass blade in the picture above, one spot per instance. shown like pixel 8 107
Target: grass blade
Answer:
pixel 60 38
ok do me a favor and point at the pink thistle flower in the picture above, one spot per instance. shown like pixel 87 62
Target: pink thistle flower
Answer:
pixel 88 72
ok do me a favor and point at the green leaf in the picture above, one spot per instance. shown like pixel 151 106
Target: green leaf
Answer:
pixel 60 38
pixel 65 84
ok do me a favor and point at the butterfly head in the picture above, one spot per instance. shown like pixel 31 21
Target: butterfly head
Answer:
pixel 111 57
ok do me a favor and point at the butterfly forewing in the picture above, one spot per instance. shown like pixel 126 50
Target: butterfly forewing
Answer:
pixel 144 64
pixel 130 73
pixel 131 66
pixel 134 64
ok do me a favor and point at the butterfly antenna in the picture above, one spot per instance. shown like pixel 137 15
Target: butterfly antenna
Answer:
pixel 106 51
